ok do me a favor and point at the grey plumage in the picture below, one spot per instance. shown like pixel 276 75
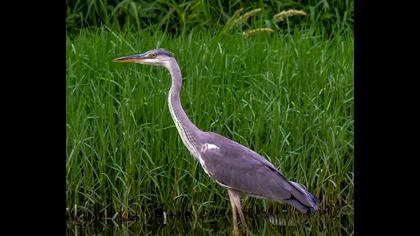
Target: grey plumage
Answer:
pixel 237 167
pixel 230 164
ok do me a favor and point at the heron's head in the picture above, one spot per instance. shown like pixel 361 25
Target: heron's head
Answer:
pixel 159 57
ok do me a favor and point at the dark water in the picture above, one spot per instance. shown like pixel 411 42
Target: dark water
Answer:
pixel 319 224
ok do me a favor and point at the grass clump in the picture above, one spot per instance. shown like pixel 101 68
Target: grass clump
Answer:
pixel 181 17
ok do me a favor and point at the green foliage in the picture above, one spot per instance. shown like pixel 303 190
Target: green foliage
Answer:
pixel 179 17
pixel 288 97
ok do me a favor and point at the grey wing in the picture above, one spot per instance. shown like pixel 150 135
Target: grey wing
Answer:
pixel 237 167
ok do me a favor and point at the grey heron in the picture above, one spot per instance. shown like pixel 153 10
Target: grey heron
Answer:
pixel 230 164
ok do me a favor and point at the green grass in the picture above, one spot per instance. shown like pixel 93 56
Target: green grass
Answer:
pixel 288 97
pixel 183 16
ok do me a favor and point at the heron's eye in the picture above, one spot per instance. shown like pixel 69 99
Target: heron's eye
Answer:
pixel 153 55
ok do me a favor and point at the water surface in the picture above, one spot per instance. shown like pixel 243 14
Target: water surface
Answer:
pixel 318 224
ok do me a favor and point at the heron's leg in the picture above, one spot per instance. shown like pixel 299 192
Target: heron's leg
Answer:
pixel 232 203
pixel 234 197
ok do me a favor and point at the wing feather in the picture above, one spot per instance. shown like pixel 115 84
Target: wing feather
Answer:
pixel 242 169
pixel 238 167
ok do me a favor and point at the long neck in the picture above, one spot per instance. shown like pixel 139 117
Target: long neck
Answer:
pixel 187 130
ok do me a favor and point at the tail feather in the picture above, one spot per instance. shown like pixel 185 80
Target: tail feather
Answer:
pixel 301 199
pixel 302 208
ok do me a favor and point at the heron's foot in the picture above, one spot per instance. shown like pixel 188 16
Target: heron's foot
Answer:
pixel 245 229
pixel 235 231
